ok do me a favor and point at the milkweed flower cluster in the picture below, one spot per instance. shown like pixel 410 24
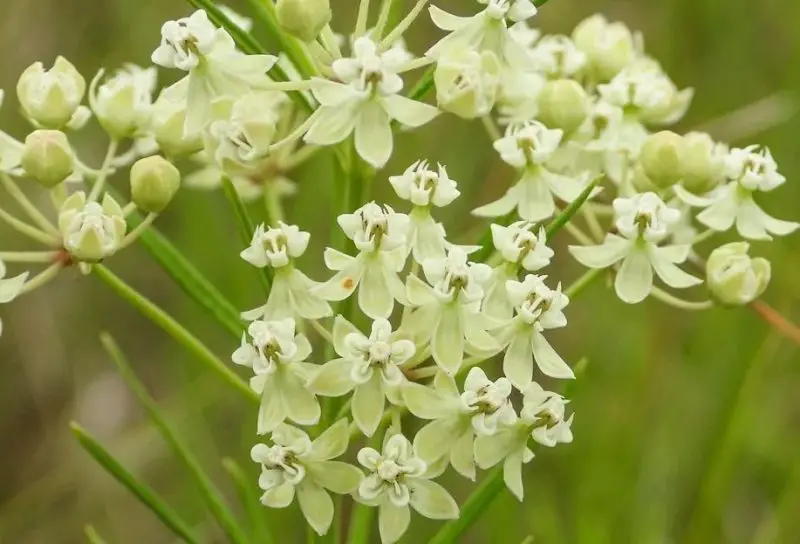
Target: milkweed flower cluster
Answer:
pixel 420 323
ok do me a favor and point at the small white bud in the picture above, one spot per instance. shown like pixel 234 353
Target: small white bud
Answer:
pixel 304 19
pixel 466 82
pixel 563 104
pixel 661 158
pixel 703 162
pixel 122 104
pixel 167 120
pixel 51 97
pixel 47 157
pixel 733 277
pixel 154 182
pixel 609 47
pixel 91 231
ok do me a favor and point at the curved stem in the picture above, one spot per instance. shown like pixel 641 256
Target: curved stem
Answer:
pixel 328 40
pixel 105 170
pixel 776 320
pixel 400 29
pixel 27 206
pixel 383 18
pixel 135 233
pixel 30 231
pixel 703 236
pixel 321 330
pixel 677 302
pixel 42 278
pixel 579 235
pixel 491 127
pixel 361 20
pixel 29 256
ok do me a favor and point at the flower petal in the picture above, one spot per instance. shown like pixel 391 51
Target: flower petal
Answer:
pixel 518 360
pixel 512 474
pixel 447 343
pixel 418 292
pixel 462 455
pixel 610 252
pixel 536 202
pixel 432 500
pixel 316 505
pixel 368 404
pixel 435 439
pixel 333 124
pixel 503 206
pixel 279 497
pixel 11 287
pixel 332 379
pixel 447 21
pixel 634 280
pixel 374 141
pixel 271 411
pixel 490 450
pixel 374 296
pixel 408 112
pixel 301 405
pixel 333 442
pixel 304 301
pixel 392 521
pixel 548 360
pixel 424 401
pixel 336 476
pixel 343 283
pixel 671 274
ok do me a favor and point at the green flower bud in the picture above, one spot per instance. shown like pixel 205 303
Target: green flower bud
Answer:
pixel 563 104
pixel 47 157
pixel 167 121
pixel 466 82
pixel 51 97
pixel 610 47
pixel 154 182
pixel 304 19
pixel 733 277
pixel 703 162
pixel 661 158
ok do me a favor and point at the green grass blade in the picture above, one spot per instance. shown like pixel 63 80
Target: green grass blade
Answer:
pixel 473 508
pixel 142 492
pixel 178 332
pixel 188 278
pixel 564 217
pixel 92 536
pixel 249 497
pixel 246 227
pixel 209 492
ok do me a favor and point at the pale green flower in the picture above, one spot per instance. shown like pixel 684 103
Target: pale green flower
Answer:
pixel 51 98
pixel 733 277
pixel 368 365
pixel 748 171
pixel 467 82
pixel 292 292
pixel 542 418
pixel 277 356
pixel 47 157
pixel 528 147
pixel 91 231
pixel 365 103
pixel 396 480
pixel 643 221
pixel 294 465
pixel 216 68
pixel 380 235
pixel 556 57
pixel 123 103
pixel 448 309
pixel 10 288
pixel 481 409
pixel 538 308
pixel 609 47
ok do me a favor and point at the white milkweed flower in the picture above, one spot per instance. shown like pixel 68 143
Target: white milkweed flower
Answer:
pixel 277 356
pixel 91 231
pixel 520 246
pixel 609 47
pixel 448 309
pixel 425 188
pixel 457 418
pixel 749 170
pixel 541 418
pixel 643 221
pixel 538 308
pixel 291 294
pixel 485 31
pixel 733 277
pixel 52 98
pixel 368 365
pixel 216 68
pixel 123 103
pixel 396 479
pixel 365 102
pixel 296 465
pixel 380 235
pixel 10 288
pixel 467 82
pixel 528 147
pixel 556 57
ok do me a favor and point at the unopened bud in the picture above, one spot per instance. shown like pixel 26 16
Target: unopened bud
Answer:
pixel 304 19
pixel 47 157
pixel 661 158
pixel 466 82
pixel 122 104
pixel 51 97
pixel 154 182
pixel 563 104
pixel 609 47
pixel 167 122
pixel 703 162
pixel 733 277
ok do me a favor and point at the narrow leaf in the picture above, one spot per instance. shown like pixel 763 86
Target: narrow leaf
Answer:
pixel 249 497
pixel 211 495
pixel 246 227
pixel 142 492
pixel 92 536
pixel 472 509
pixel 174 329
pixel 564 217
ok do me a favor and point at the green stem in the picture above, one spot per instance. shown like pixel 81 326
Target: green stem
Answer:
pixel 92 536
pixel 679 303
pixel 137 231
pixel 27 206
pixel 176 331
pixel 105 170
pixel 398 31
pixel 44 277
pixel 383 18
pixel 584 281
pixel 491 128
pixel 28 256
pixel 321 330
pixel 30 231
pixel 361 19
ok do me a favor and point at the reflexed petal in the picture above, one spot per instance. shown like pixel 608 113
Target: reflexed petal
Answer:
pixel 564 187
pixel 368 404
pixel 490 450
pixel 333 442
pixel 535 199
pixel 316 505
pixel 518 360
pixel 301 405
pixel 408 112
pixel 336 260
pixel 278 497
pixel 435 439
pixel 671 274
pixel 691 199
pixel 341 329
pixel 332 379
pixel 392 521
pixel 423 401
pixel 336 476
pixel 271 412
pixel 503 206
pixel 777 226
pixel 331 93
pixel 432 500
pixel 307 304
pixel 342 284
pixel 333 124
pixel 447 21
pixel 279 303
pixel 418 292
pixel 374 141
pixel 198 105
pixel 674 254
pixel 749 222
pixel 447 343
pixel 720 215
pixel 10 288
pixel 634 280
pixel 512 474
pixel 548 360
pixel 374 296
pixel 611 251
pixel 462 455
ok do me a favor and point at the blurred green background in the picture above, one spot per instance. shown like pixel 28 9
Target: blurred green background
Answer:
pixel 686 425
